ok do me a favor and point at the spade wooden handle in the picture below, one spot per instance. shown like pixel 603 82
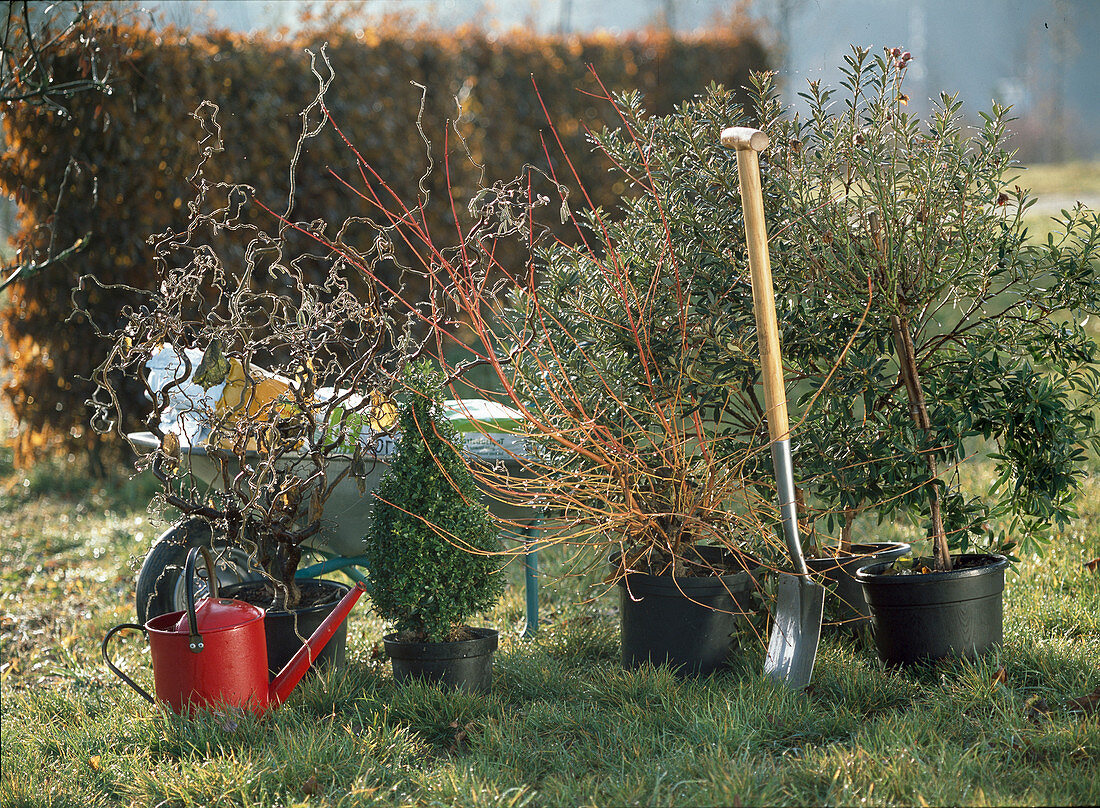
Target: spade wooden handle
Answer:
pixel 748 143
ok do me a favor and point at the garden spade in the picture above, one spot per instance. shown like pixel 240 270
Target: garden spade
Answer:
pixel 796 627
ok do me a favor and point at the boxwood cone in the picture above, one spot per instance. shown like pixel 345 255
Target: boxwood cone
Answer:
pixel 430 548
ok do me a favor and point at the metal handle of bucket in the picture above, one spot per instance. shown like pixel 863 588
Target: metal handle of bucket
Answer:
pixel 141 691
pixel 195 640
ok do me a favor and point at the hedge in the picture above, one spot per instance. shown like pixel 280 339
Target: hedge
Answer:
pixel 136 148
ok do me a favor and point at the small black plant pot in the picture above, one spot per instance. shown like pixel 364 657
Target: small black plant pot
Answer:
pixel 847 607
pixel 463 665
pixel 687 622
pixel 937 615
pixel 285 629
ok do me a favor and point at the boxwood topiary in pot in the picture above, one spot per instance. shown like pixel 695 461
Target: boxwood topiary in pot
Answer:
pixel 431 548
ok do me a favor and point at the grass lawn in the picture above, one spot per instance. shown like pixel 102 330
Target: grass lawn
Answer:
pixel 565 725
pixel 1057 187
pixel 1062 179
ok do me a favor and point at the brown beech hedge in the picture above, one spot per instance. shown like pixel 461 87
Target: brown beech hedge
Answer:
pixel 123 160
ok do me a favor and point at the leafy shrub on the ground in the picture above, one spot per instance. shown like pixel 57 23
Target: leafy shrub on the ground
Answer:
pixel 906 242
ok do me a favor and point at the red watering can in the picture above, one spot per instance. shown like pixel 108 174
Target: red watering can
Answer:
pixel 215 653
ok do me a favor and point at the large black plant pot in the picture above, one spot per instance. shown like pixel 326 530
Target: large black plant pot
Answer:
pixel 847 606
pixel 937 615
pixel 463 665
pixel 686 622
pixel 284 629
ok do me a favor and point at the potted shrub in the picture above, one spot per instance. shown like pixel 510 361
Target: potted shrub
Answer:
pixel 431 548
pixel 640 453
pixel 267 360
pixel 672 255
pixel 919 322
pixel 910 235
pixel 652 452
pixel 630 346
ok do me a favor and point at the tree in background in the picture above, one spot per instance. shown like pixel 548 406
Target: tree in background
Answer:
pixel 33 36
pixel 140 141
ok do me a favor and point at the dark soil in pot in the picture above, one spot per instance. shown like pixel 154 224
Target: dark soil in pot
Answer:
pixel 689 621
pixel 465 664
pixel 846 606
pixel 285 630
pixel 936 615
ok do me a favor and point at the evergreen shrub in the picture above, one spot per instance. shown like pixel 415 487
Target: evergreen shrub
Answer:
pixel 430 541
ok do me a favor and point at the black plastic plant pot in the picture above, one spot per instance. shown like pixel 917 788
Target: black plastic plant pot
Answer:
pixel 685 622
pixel 937 615
pixel 847 607
pixel 463 665
pixel 285 630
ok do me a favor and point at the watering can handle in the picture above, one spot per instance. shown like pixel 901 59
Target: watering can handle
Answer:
pixel 141 691
pixel 195 640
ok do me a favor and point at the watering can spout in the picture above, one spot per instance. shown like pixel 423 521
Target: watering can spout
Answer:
pixel 296 668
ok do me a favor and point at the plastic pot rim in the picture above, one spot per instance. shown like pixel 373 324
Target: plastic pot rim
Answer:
pixel 753 565
pixel 339 586
pixel 486 642
pixel 871 548
pixel 873 573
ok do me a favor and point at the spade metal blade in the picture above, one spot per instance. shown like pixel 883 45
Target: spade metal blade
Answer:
pixel 796 631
